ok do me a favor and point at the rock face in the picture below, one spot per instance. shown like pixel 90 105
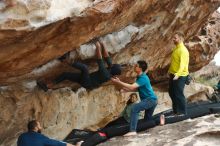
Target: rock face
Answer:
pixel 204 42
pixel 60 110
pixel 194 92
pixel 143 27
pixel 34 33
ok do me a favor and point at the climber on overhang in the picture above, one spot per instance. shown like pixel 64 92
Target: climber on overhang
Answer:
pixel 84 78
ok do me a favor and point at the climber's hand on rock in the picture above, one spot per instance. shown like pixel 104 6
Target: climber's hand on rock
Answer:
pixel 115 79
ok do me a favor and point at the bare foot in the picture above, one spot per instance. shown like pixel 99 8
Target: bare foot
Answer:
pixel 162 120
pixel 130 134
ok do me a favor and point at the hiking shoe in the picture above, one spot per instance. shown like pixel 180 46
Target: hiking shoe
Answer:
pixel 42 85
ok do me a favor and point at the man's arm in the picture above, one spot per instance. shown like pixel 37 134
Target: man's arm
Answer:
pixel 127 90
pixel 52 142
pixel 98 50
pixel 131 87
pixel 106 54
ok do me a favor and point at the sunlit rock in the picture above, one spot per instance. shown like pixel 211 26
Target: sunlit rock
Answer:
pixel 34 33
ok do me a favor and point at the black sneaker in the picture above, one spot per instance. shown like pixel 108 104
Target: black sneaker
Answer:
pixel 42 85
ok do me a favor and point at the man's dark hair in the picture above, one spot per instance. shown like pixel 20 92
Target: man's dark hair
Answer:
pixel 143 65
pixel 115 69
pixel 31 125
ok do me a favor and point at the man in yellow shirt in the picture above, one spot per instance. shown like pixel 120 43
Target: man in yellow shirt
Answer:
pixel 178 73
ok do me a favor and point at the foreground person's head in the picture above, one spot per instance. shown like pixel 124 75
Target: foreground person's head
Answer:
pixel 178 38
pixel 35 126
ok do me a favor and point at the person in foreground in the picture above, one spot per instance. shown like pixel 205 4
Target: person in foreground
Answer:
pixel 178 74
pixel 34 137
pixel 148 98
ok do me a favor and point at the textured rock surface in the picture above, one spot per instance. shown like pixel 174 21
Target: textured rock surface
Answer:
pixel 62 110
pixel 207 42
pixel 151 23
pixel 197 132
pixel 130 29
pixel 30 14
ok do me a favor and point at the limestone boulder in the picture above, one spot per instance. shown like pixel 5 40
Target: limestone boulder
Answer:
pixel 34 33
pixel 131 30
pixel 58 111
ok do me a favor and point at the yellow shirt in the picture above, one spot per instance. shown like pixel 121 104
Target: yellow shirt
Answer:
pixel 179 61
